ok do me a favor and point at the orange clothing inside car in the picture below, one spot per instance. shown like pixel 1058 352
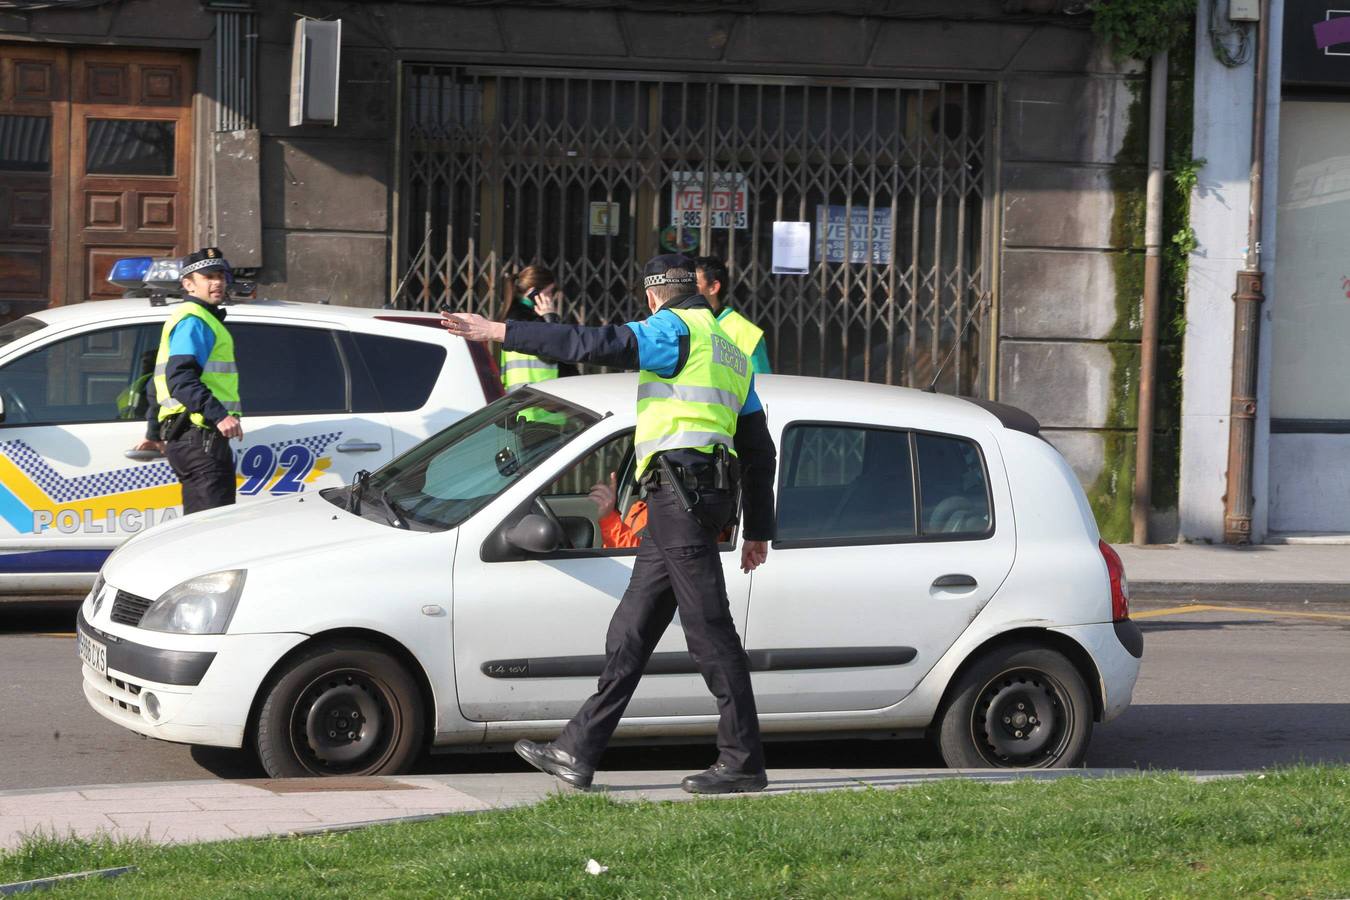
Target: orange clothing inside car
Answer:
pixel 627 531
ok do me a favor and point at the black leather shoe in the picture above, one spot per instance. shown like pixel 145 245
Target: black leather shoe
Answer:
pixel 721 780
pixel 558 763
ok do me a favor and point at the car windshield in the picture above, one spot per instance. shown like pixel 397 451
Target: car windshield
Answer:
pixel 19 328
pixel 450 476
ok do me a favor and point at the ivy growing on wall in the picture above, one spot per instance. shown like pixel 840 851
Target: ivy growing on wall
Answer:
pixel 1137 29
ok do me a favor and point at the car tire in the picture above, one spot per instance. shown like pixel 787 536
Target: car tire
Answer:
pixel 1020 707
pixel 305 725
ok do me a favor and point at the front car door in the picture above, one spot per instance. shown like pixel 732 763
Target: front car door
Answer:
pixel 890 541
pixel 530 629
pixel 68 493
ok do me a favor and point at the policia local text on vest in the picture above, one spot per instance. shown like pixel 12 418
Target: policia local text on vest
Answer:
pixel 197 385
pixel 700 431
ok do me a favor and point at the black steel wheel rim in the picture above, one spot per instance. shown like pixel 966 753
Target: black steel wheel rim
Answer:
pixel 344 722
pixel 1023 718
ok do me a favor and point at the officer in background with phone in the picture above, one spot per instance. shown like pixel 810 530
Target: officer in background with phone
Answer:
pixel 532 296
pixel 197 384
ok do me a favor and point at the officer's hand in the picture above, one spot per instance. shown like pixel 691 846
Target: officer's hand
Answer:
pixel 229 427
pixel 148 444
pixel 753 555
pixel 603 495
pixel 473 327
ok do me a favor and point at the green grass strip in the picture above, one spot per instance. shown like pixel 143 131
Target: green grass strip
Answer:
pixel 1283 834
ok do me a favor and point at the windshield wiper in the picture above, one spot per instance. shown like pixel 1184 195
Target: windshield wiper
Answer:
pixel 358 486
pixel 396 517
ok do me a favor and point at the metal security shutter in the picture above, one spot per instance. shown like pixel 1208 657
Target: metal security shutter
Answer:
pixel 504 167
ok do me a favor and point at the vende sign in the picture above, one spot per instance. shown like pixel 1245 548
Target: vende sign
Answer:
pixel 728 200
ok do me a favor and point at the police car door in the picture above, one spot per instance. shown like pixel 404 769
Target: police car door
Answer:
pixel 300 381
pixel 73 405
pixel 890 541
pixel 530 630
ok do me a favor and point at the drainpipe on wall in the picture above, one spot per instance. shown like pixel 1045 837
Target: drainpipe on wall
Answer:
pixel 1238 501
pixel 1148 350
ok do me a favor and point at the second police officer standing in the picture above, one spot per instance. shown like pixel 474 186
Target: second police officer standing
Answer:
pixel 197 383
pixel 715 284
pixel 700 429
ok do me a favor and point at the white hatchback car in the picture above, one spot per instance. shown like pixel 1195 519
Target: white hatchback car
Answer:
pixel 327 390
pixel 937 571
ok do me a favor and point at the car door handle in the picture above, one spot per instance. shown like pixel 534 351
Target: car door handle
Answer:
pixel 955 581
pixel 144 455
pixel 357 447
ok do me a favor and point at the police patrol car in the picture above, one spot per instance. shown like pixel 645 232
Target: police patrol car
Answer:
pixel 937 570
pixel 327 391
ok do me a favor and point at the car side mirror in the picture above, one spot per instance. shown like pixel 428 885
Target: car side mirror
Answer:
pixel 534 534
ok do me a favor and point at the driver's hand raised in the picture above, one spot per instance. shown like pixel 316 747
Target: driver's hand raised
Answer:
pixel 603 495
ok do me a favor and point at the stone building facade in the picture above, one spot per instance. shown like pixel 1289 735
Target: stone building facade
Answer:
pixel 972 172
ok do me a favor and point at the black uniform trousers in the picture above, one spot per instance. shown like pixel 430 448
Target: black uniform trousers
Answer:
pixel 204 464
pixel 678 567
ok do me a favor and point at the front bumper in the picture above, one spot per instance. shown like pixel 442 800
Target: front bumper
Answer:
pixel 201 695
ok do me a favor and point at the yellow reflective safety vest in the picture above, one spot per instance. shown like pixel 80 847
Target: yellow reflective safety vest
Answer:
pixel 220 375
pixel 744 333
pixel 522 368
pixel 698 408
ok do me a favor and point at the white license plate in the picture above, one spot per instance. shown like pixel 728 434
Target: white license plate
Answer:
pixel 94 654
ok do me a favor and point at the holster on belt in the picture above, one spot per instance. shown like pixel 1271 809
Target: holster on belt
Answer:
pixel 175 426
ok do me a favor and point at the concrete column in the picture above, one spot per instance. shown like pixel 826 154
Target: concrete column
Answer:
pixel 1222 137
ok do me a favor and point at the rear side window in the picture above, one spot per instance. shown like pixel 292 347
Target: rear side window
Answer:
pixel 403 372
pixel 286 370
pixel 952 486
pixel 845 484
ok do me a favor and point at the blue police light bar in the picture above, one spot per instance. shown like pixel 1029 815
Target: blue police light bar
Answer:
pixel 164 274
pixel 129 272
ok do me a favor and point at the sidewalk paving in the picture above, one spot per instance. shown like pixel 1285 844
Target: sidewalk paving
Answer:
pixel 1258 572
pixel 192 811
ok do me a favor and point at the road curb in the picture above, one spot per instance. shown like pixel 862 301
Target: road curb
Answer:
pixel 1246 591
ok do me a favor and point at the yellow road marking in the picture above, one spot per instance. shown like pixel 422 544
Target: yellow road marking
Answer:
pixel 1203 607
pixel 1173 611
pixel 64 634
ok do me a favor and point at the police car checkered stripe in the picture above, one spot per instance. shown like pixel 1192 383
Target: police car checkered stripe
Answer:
pixel 83 487
pixel 100 484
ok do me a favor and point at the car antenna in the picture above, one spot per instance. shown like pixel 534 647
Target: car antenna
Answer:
pixel 932 385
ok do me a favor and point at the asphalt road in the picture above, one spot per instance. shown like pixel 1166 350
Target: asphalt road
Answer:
pixel 1232 685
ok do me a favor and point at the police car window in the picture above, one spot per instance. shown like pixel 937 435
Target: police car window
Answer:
pixel 20 328
pixel 450 476
pixel 97 376
pixel 954 492
pixel 403 373
pixel 288 370
pixel 844 483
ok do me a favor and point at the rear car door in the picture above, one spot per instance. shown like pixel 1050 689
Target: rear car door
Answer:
pixel 301 384
pixel 890 541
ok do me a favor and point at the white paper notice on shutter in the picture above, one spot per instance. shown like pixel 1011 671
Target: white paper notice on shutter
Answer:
pixel 791 248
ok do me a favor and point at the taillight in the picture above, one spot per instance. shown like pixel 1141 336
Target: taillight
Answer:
pixel 488 377
pixel 1120 586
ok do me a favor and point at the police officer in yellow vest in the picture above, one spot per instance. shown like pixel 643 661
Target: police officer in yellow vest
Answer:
pixel 197 384
pixel 714 284
pixel 700 430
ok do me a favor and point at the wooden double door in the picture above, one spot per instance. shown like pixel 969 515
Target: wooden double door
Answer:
pixel 95 164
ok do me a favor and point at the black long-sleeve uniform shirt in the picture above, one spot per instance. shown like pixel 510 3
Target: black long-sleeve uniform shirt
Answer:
pixel 618 346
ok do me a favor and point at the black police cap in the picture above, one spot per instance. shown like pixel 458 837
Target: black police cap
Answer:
pixel 659 270
pixel 205 258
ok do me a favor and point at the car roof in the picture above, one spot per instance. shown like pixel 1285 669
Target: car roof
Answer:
pixel 99 310
pixel 844 400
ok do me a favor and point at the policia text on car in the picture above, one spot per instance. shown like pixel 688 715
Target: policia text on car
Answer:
pixel 700 431
pixel 197 383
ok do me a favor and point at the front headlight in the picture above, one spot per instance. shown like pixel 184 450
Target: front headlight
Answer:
pixel 200 605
